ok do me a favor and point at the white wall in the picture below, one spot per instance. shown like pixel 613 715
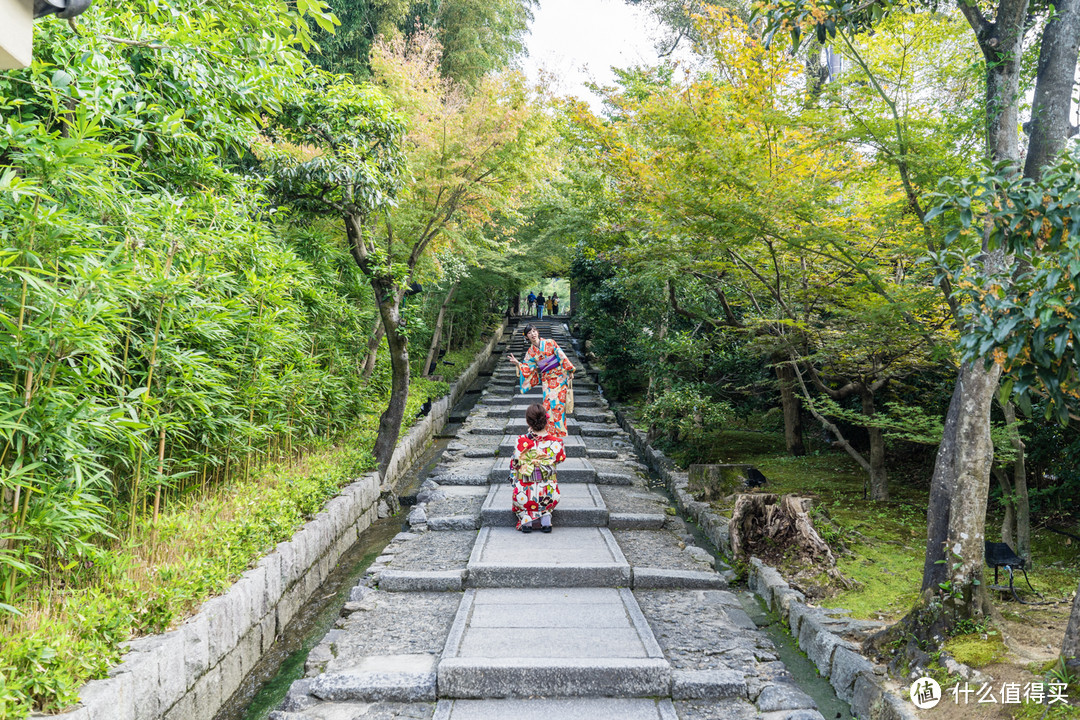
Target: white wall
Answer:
pixel 16 33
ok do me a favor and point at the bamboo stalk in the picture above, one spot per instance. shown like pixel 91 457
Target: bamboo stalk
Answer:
pixel 161 473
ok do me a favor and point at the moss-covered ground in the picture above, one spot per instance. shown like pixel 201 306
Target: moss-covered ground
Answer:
pixel 882 549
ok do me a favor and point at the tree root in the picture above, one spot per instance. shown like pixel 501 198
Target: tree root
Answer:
pixel 782 521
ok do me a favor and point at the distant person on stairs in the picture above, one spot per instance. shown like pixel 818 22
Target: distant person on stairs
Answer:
pixel 532 301
pixel 554 303
pixel 532 472
pixel 540 306
pixel 546 365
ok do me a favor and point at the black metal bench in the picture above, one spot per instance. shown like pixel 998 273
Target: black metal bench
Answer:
pixel 1000 555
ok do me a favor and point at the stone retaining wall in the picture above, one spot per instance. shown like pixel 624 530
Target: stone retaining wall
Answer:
pixel 855 679
pixel 189 673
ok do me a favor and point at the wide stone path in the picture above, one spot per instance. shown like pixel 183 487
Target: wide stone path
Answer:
pixel 615 615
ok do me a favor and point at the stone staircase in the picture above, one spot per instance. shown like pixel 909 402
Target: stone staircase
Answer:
pixel 615 614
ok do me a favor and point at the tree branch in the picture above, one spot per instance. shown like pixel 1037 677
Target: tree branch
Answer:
pixel 840 439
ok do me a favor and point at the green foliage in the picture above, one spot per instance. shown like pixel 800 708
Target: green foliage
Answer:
pixel 1027 320
pixel 1029 710
pixel 478 36
pixel 687 415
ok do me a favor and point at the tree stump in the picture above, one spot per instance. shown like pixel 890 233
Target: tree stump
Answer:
pixel 769 525
pixel 717 481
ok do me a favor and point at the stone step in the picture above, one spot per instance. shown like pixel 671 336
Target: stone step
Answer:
pixel 645 578
pixel 517 426
pixel 571 470
pixel 579 506
pixel 463 472
pixel 634 521
pixel 585 415
pixel 582 643
pixel 557 709
pixel 596 430
pixel 393 678
pixel 566 557
pixel 573 444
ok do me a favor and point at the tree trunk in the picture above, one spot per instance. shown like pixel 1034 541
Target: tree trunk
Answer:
pixel 879 477
pixel 650 394
pixel 1001 43
pixel 1008 500
pixel 389 300
pixel 1070 647
pixel 373 348
pixel 792 405
pixel 1020 490
pixel 956 518
pixel 1050 124
pixel 437 334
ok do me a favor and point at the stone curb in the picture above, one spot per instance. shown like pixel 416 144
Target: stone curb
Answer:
pixel 191 672
pixel 422 580
pixel 850 673
pixel 645 578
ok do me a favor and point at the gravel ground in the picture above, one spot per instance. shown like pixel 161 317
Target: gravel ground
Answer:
pixel 393 624
pixel 696 634
pixel 448 550
pixel 655 549
pixel 628 467
pixel 471 471
pixel 456 504
pixel 360 711
pixel 730 709
pixel 621 499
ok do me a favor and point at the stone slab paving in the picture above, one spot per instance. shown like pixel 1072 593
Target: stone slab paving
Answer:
pixel 633 500
pixel 615 615
pixel 580 505
pixel 570 557
pixel 578 642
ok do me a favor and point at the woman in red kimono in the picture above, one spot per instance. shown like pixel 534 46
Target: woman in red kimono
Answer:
pixel 545 364
pixel 532 472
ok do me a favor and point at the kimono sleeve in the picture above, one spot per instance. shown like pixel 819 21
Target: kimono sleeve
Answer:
pixel 555 448
pixel 566 364
pixel 529 375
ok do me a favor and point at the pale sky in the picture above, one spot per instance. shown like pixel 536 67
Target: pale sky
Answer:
pixel 579 40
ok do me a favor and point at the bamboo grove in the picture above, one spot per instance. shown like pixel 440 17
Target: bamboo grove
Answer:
pixel 170 320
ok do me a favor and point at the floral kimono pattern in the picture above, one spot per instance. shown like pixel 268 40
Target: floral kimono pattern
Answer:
pixel 532 471
pixel 554 382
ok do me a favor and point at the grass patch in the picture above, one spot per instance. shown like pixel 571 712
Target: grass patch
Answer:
pixel 155 578
pixel 1034 711
pixel 977 649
